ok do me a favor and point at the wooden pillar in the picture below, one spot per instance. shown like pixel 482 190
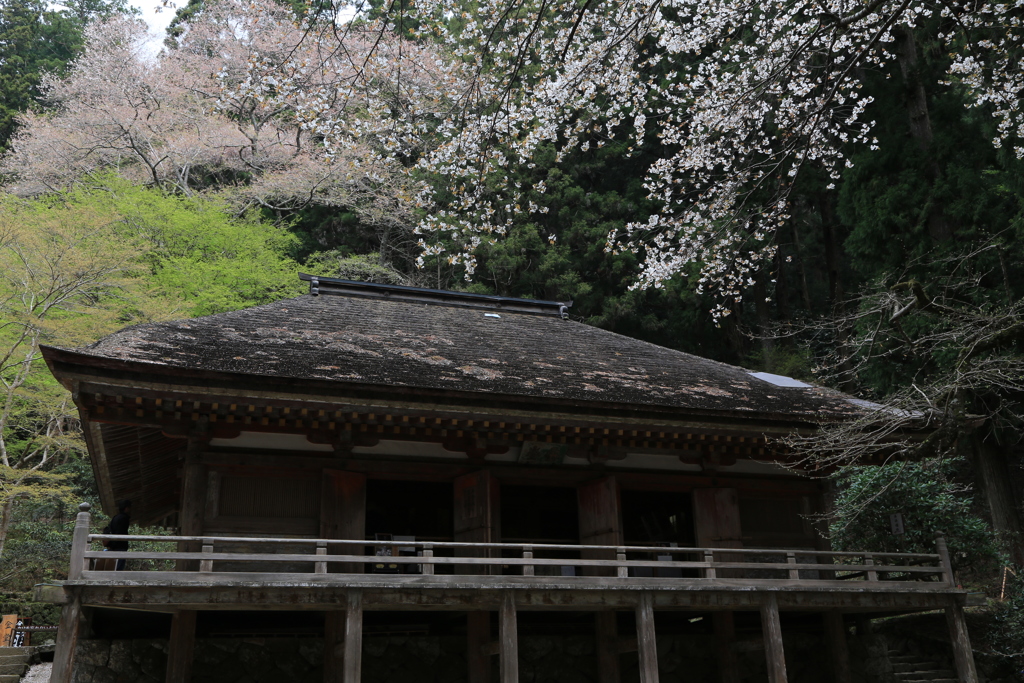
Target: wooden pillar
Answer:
pixel 181 646
pixel 835 640
pixel 478 634
pixel 725 636
pixel 334 646
pixel 477 517
pixel 962 653
pixel 716 520
pixel 646 645
pixel 607 632
pixel 67 640
pixel 600 519
pixel 353 646
pixel 508 634
pixel 193 500
pixel 772 630
pixel 343 514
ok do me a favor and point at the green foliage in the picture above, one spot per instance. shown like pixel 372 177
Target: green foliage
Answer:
pixel 198 257
pixel 36 38
pixel 1007 635
pixel 930 500
pixel 335 263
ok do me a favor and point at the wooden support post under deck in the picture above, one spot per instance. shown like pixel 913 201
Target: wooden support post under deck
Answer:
pixel 181 646
pixel 67 641
pixel 962 653
pixel 607 633
pixel 647 647
pixel 725 636
pixel 193 500
pixel 353 647
pixel 334 646
pixel 771 627
pixel 478 634
pixel 508 633
pixel 838 652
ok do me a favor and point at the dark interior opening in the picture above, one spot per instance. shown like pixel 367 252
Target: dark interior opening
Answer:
pixel 539 514
pixel 658 517
pixel 409 508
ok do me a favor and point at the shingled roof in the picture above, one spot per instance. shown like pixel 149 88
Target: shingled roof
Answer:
pixel 379 335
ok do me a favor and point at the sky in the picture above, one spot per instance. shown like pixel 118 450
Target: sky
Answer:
pixel 157 16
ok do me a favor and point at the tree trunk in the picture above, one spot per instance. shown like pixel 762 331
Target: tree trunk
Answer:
pixel 994 473
pixel 5 522
pixel 939 228
pixel 833 253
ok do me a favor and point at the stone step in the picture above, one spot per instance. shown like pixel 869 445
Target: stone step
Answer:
pixel 13 669
pixel 6 678
pixel 925 675
pixel 913 666
pixel 14 659
pixel 15 651
pixel 907 659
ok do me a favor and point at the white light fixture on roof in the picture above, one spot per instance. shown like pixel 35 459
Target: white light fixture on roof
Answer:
pixel 779 380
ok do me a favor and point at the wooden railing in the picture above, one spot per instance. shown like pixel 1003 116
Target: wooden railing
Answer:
pixel 219 554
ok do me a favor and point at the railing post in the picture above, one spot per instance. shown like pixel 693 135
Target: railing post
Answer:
pixel 869 561
pixel 620 556
pixel 80 542
pixel 709 557
pixel 207 565
pixel 321 549
pixel 943 551
pixel 428 555
pixel 794 573
pixel 528 555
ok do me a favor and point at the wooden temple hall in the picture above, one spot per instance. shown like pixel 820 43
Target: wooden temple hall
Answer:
pixel 369 462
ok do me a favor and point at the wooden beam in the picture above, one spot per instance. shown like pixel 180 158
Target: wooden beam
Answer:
pixel 607 636
pixel 961 641
pixel 600 520
pixel 353 646
pixel 343 511
pixel 67 641
pixel 334 646
pixel 772 631
pixel 193 498
pixel 508 633
pixel 725 636
pixel 647 647
pixel 478 635
pixel 477 516
pixel 838 651
pixel 181 646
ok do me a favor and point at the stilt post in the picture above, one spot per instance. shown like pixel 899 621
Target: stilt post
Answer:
pixel 963 655
pixel 67 641
pixel 353 646
pixel 509 635
pixel 607 633
pixel 838 652
pixel 647 647
pixel 181 646
pixel 725 635
pixel 478 634
pixel 771 627
pixel 334 646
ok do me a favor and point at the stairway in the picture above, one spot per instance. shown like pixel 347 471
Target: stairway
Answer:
pixel 14 662
pixel 917 669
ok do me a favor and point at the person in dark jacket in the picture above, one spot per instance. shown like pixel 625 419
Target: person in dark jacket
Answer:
pixel 119 524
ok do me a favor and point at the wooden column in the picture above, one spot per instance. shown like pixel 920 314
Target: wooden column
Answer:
pixel 67 640
pixel 962 653
pixel 353 664
pixel 772 630
pixel 607 633
pixel 600 519
pixel 478 634
pixel 181 646
pixel 477 517
pixel 508 634
pixel 193 499
pixel 334 647
pixel 716 518
pixel 646 645
pixel 725 636
pixel 835 640
pixel 343 514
